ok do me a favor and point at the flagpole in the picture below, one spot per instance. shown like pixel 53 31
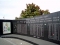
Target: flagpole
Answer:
pixel 3 17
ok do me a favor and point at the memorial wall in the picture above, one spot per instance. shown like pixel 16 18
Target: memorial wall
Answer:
pixel 47 26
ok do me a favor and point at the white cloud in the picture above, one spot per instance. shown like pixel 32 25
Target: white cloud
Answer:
pixel 13 8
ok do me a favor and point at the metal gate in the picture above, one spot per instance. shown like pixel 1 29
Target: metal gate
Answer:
pixel 14 28
pixel 35 30
pixel 53 31
pixel 31 29
pixel 19 28
pixel 22 28
pixel 38 30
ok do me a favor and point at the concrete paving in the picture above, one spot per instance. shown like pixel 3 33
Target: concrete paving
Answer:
pixel 4 42
pixel 16 41
pixel 35 40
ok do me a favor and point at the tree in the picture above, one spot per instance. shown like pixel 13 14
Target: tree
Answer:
pixel 46 12
pixel 32 10
pixel 16 18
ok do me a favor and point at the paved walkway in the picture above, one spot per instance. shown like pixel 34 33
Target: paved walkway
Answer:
pixel 12 41
pixel 31 39
pixel 4 42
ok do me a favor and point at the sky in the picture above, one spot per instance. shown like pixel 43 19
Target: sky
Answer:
pixel 9 9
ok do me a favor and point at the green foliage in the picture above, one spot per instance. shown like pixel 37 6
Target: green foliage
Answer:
pixel 46 12
pixel 16 18
pixel 32 10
